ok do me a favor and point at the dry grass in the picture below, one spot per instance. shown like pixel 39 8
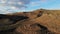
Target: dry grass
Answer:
pixel 49 19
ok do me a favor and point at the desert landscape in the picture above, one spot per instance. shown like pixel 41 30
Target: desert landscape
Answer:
pixel 40 21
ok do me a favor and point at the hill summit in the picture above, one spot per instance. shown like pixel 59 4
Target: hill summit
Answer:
pixel 39 21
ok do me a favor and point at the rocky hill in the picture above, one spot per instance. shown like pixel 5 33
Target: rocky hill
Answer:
pixel 39 21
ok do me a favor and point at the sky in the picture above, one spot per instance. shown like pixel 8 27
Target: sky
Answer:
pixel 11 6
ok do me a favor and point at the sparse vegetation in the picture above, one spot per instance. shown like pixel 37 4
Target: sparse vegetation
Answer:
pixel 37 22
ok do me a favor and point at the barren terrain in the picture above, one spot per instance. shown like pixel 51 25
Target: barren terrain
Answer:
pixel 35 22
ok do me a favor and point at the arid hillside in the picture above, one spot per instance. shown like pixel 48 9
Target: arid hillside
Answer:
pixel 39 21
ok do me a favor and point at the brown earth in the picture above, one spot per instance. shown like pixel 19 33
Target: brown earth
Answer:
pixel 38 22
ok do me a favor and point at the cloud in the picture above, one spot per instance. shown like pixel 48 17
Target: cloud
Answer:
pixel 16 3
pixel 25 1
pixel 44 0
pixel 4 12
pixel 36 3
pixel 19 3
